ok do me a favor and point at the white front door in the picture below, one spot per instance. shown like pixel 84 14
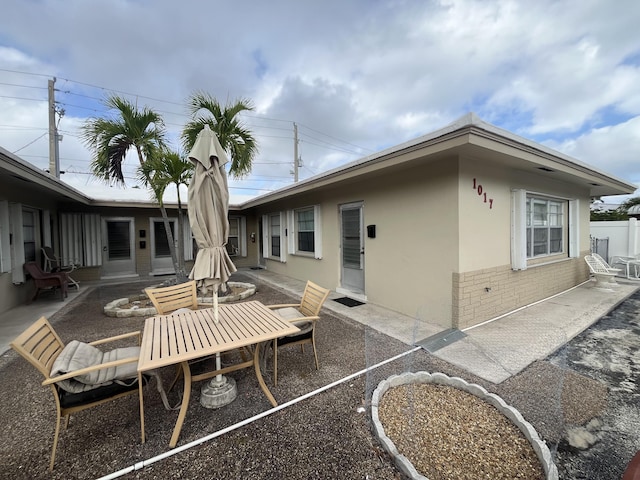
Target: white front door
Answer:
pixel 118 250
pixel 161 261
pixel 352 247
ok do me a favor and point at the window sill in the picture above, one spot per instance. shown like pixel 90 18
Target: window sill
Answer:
pixel 304 254
pixel 549 262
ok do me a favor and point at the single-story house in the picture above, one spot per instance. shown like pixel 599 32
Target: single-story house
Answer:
pixel 106 239
pixel 455 227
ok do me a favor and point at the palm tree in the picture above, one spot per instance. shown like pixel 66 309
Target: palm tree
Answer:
pixel 111 138
pixel 237 140
pixel 158 173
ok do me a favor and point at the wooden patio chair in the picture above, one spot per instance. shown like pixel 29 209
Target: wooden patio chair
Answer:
pixel 304 315
pixel 44 280
pixel 40 345
pixel 169 299
pixel 52 264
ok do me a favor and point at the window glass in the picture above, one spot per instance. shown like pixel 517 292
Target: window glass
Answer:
pixel 29 235
pixel 545 226
pixel 160 233
pixel 274 227
pixel 118 238
pixel 233 242
pixel 306 233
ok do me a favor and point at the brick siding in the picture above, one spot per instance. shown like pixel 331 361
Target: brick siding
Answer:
pixel 484 294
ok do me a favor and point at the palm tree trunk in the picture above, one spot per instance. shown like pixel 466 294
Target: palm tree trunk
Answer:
pixel 181 276
pixel 181 270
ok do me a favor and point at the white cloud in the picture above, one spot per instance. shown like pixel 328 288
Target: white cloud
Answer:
pixel 614 149
pixel 355 76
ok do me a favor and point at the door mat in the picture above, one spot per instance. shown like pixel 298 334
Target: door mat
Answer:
pixel 349 302
pixel 441 340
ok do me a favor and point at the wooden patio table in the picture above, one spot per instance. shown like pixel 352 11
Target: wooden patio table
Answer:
pixel 181 337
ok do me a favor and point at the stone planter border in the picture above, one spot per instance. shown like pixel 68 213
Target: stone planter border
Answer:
pixel 112 309
pixel 403 463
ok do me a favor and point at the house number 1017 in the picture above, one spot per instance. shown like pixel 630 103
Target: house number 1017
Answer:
pixel 481 193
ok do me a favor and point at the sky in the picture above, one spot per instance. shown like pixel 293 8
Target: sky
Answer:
pixel 354 76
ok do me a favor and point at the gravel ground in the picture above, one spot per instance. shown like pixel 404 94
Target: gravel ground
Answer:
pixel 324 436
pixel 450 434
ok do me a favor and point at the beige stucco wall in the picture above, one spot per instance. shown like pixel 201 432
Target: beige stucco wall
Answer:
pixel 484 219
pixel 408 265
pixel 485 285
pixel 443 250
pixel 141 217
pixel 14 295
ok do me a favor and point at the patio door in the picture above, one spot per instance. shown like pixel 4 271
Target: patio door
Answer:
pixel 118 250
pixel 352 247
pixel 161 261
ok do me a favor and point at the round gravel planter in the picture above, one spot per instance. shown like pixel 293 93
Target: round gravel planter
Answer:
pixel 114 308
pixel 539 447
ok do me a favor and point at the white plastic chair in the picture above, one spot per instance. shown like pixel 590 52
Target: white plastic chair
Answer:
pixel 604 278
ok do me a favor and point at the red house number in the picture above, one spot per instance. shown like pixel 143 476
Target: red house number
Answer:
pixel 478 188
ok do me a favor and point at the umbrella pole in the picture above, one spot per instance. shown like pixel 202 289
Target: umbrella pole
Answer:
pixel 221 390
pixel 216 316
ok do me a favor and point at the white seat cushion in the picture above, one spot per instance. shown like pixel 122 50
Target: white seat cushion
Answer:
pixel 77 355
pixel 291 313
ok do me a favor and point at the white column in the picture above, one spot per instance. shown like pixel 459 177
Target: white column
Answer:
pixel 633 237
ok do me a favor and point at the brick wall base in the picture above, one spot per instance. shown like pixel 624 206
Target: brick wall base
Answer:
pixel 484 294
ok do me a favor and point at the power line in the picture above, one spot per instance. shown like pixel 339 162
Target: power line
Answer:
pixel 23 98
pixel 26 73
pixel 254 119
pixel 330 146
pixel 33 141
pixel 22 86
pixel 334 138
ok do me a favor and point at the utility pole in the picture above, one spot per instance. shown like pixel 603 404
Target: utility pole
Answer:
pixel 54 158
pixel 295 152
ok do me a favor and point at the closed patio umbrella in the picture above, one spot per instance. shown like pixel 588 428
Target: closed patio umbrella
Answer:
pixel 208 204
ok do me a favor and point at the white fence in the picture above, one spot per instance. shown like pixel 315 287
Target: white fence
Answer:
pixel 624 236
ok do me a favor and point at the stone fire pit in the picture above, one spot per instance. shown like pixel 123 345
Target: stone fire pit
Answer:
pixel 140 305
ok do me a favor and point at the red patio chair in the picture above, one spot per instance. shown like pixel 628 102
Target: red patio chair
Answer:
pixel 45 280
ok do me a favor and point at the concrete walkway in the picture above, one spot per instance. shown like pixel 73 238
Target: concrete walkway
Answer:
pixel 494 350
pixel 497 349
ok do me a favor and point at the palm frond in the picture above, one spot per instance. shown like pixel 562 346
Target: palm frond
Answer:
pixel 236 139
pixel 111 138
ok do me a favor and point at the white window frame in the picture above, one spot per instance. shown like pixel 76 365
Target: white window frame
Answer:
pixel 293 244
pixel 554 220
pixel 36 233
pixel 570 229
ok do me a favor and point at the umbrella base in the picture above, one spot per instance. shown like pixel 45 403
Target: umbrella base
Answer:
pixel 216 394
